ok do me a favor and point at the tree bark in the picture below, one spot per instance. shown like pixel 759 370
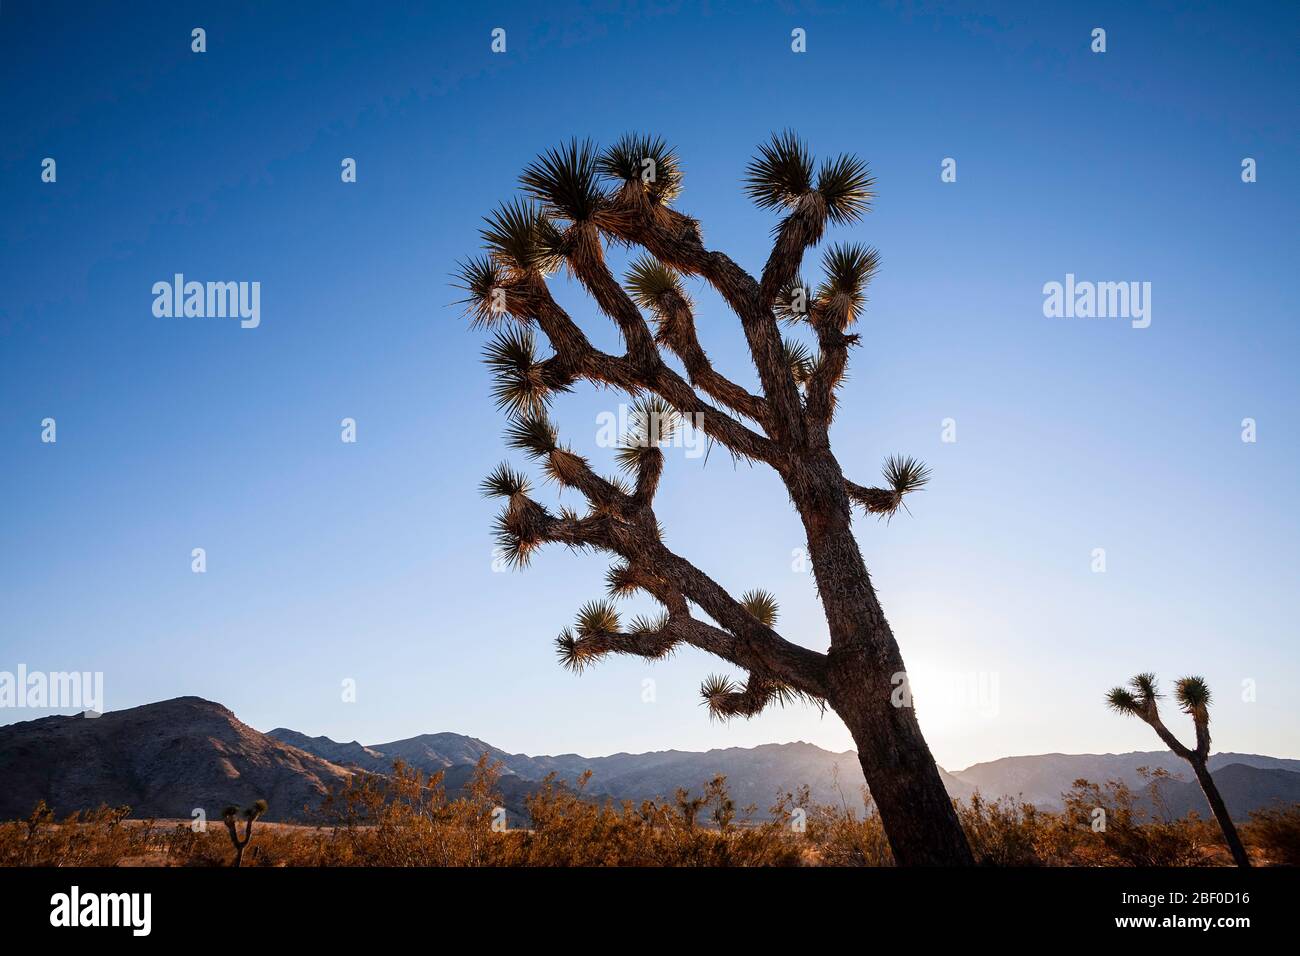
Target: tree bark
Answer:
pixel 865 669
pixel 1211 790
pixel 915 810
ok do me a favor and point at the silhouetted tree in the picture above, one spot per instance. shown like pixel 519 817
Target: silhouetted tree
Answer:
pixel 230 815
pixel 1193 696
pixel 578 200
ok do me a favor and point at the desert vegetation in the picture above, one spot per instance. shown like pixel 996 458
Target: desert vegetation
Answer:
pixel 408 819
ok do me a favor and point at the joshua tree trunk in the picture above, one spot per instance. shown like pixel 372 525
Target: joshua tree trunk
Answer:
pixel 921 824
pixel 1211 791
pixel 865 677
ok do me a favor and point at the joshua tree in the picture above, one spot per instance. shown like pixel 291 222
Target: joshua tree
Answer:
pixel 250 815
pixel 578 199
pixel 1193 696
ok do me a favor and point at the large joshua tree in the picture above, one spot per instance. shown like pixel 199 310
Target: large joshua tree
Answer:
pixel 1193 695
pixel 578 199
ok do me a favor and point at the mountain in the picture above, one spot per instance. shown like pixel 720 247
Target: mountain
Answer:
pixel 438 751
pixel 162 760
pixel 166 759
pixel 757 775
pixel 344 755
pixel 1241 785
pixel 1041 779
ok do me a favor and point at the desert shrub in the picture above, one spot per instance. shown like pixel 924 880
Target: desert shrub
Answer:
pixel 568 829
pixel 836 835
pixel 406 819
pixel 183 846
pixel 1137 830
pixel 1276 831
pixel 91 838
pixel 1004 832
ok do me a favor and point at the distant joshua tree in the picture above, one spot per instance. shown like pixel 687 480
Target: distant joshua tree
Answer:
pixel 230 815
pixel 1193 696
pixel 579 199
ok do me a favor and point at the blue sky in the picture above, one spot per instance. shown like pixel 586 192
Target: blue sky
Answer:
pixel 372 561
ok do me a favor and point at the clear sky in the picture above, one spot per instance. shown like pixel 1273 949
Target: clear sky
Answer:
pixel 372 561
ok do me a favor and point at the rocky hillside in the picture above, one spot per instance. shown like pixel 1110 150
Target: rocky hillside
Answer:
pixel 162 760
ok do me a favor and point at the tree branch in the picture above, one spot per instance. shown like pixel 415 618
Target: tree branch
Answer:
pixel 576 357
pixel 657 289
pixel 827 373
pixel 1152 716
pixel 748 642
pixel 587 259
pixel 876 501
pixel 674 240
pixel 725 699
pixel 626 526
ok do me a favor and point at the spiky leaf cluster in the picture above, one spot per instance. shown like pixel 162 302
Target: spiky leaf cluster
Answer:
pixel 647 160
pixel 570 652
pixel 504 482
pixel 533 434
pixel 621 581
pixel 518 385
pixel 847 186
pixel 521 239
pixel 905 474
pixel 641 624
pixel 1148 691
pixel 761 605
pixel 717 692
pixel 566 182
pixel 781 173
pixel 1193 695
pixel 848 268
pixel 794 301
pixel 482 277
pixel 653 285
pixel 1137 698
pixel 651 421
pixel 800 359
pixel 1121 700
pixel 517 531
pixel 597 617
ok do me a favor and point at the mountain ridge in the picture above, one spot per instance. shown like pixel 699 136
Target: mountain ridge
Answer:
pixel 171 757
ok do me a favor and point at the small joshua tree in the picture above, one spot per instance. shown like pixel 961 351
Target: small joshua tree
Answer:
pixel 579 199
pixel 231 815
pixel 1193 696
